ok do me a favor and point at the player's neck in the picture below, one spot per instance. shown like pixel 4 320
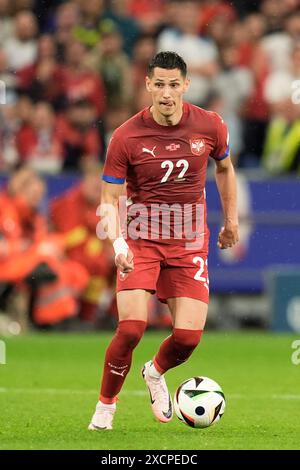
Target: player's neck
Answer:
pixel 167 120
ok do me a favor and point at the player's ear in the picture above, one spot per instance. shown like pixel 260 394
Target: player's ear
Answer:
pixel 147 82
pixel 186 85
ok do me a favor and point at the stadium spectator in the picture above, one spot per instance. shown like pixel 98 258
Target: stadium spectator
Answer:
pixel 109 61
pixel 6 22
pixel 78 82
pixel 21 47
pixel 8 78
pixel 39 143
pixel 150 15
pixel 278 46
pixel 252 55
pixel 31 255
pixel 42 81
pixel 233 86
pixel 281 152
pixel 87 30
pixel 78 134
pixel 144 49
pixel 14 117
pixel 118 12
pixel 273 11
pixel 200 54
pixel 66 18
pixel 215 20
pixel 9 125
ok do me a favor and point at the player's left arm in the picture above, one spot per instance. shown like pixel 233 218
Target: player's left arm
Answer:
pixel 226 183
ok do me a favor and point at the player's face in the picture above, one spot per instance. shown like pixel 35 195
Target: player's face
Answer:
pixel 167 88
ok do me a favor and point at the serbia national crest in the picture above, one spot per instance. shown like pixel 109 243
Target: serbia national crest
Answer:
pixel 197 146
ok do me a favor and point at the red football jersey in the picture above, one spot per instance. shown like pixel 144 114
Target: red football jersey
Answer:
pixel 166 165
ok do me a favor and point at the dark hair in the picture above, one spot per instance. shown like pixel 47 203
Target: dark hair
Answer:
pixel 167 60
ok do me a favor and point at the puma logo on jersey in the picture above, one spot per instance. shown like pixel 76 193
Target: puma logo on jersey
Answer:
pixel 150 151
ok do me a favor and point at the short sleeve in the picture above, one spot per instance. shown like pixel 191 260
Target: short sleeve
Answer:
pixel 116 162
pixel 221 149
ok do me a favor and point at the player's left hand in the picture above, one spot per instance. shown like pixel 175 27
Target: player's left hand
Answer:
pixel 228 236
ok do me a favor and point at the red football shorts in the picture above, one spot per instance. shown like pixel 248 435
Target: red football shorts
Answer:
pixel 170 270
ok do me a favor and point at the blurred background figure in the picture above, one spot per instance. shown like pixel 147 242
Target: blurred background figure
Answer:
pixel 201 55
pixel 281 147
pixel 38 142
pixel 42 80
pixel 74 215
pixel 78 134
pixel 21 46
pixel 109 61
pixel 34 258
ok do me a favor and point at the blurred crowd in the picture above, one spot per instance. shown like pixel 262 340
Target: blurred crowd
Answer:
pixel 73 71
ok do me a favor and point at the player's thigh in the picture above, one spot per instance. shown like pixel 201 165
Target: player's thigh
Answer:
pixel 187 313
pixel 133 304
pixel 184 285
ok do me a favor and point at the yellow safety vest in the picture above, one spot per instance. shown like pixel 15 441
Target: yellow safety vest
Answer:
pixel 281 146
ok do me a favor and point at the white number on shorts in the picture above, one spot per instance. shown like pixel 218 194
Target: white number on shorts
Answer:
pixel 198 276
pixel 170 165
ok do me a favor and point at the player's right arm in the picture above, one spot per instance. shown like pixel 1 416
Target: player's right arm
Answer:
pixel 114 175
pixel 111 194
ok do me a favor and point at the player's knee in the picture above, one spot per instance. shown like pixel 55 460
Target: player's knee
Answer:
pixel 186 339
pixel 131 331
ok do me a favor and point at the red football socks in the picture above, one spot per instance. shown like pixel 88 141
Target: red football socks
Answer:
pixel 176 349
pixel 118 358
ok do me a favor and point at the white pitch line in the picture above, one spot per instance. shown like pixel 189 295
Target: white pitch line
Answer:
pixel 286 397
pixel 62 391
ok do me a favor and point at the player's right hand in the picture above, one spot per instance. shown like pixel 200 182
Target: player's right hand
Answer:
pixel 123 263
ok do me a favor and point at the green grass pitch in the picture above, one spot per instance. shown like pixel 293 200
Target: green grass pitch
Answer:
pixel 49 387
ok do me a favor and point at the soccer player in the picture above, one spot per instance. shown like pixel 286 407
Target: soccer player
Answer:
pixel 162 153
